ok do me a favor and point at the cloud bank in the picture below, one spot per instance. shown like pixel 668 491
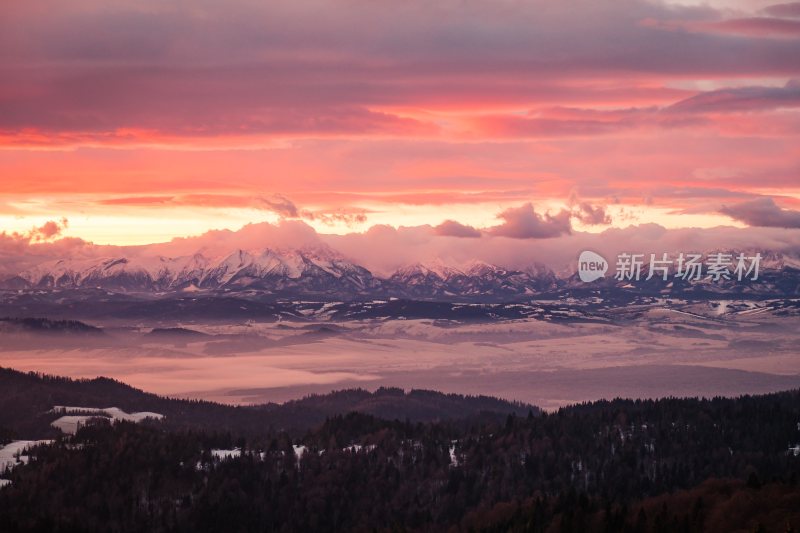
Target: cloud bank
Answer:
pixel 383 249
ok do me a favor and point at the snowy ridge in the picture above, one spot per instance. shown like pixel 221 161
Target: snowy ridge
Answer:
pixel 321 271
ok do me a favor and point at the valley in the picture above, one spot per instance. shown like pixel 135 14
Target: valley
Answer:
pixel 549 352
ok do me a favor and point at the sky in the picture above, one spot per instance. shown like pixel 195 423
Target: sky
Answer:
pixel 137 122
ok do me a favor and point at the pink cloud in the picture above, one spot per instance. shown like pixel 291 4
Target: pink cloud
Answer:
pixel 525 223
pixel 47 231
pixel 382 249
pixel 451 228
pixel 254 69
pixel 755 26
pixel 591 214
pixel 790 9
pixel 741 99
pixel 763 212
pixel 275 203
pixel 156 105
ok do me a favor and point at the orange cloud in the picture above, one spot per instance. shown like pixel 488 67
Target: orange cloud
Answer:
pixel 47 231
pixel 243 106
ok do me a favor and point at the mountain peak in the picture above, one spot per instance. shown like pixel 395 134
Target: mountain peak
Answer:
pixel 320 271
pixel 436 268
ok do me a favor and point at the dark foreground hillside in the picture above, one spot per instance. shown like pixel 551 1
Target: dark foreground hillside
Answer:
pixel 640 466
pixel 27 398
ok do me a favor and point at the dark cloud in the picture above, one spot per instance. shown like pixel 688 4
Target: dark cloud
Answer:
pixel 451 228
pixel 790 10
pixel 741 99
pixel 524 223
pixel 694 111
pixel 756 27
pixel 591 214
pixel 280 205
pixel 94 69
pixel 763 212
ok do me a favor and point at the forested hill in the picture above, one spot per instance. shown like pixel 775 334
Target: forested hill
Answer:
pixel 674 465
pixel 27 398
pixel 41 326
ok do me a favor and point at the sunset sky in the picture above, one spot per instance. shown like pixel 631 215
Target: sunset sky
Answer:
pixel 135 122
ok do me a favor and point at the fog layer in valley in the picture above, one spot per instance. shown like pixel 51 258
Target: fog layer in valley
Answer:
pixel 649 350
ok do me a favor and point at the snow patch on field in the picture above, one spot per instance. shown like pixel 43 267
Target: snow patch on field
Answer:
pixel 299 450
pixel 226 454
pixel 71 424
pixel 453 457
pixel 12 454
pixel 356 448
pixel 75 417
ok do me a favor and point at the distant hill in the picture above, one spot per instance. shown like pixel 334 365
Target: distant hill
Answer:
pixel 44 325
pixel 26 398
pixel 394 403
pixel 183 333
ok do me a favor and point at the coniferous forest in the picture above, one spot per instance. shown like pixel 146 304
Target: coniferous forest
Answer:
pixel 638 466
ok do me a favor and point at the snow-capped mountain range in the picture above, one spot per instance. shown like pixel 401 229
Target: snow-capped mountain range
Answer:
pixel 321 271
pixel 269 270
pixel 312 271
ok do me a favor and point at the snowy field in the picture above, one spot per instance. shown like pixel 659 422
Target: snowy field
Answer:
pixel 75 417
pixel 13 454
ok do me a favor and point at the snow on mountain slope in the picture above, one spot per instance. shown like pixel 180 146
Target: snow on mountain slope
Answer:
pixel 320 270
pixel 260 269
